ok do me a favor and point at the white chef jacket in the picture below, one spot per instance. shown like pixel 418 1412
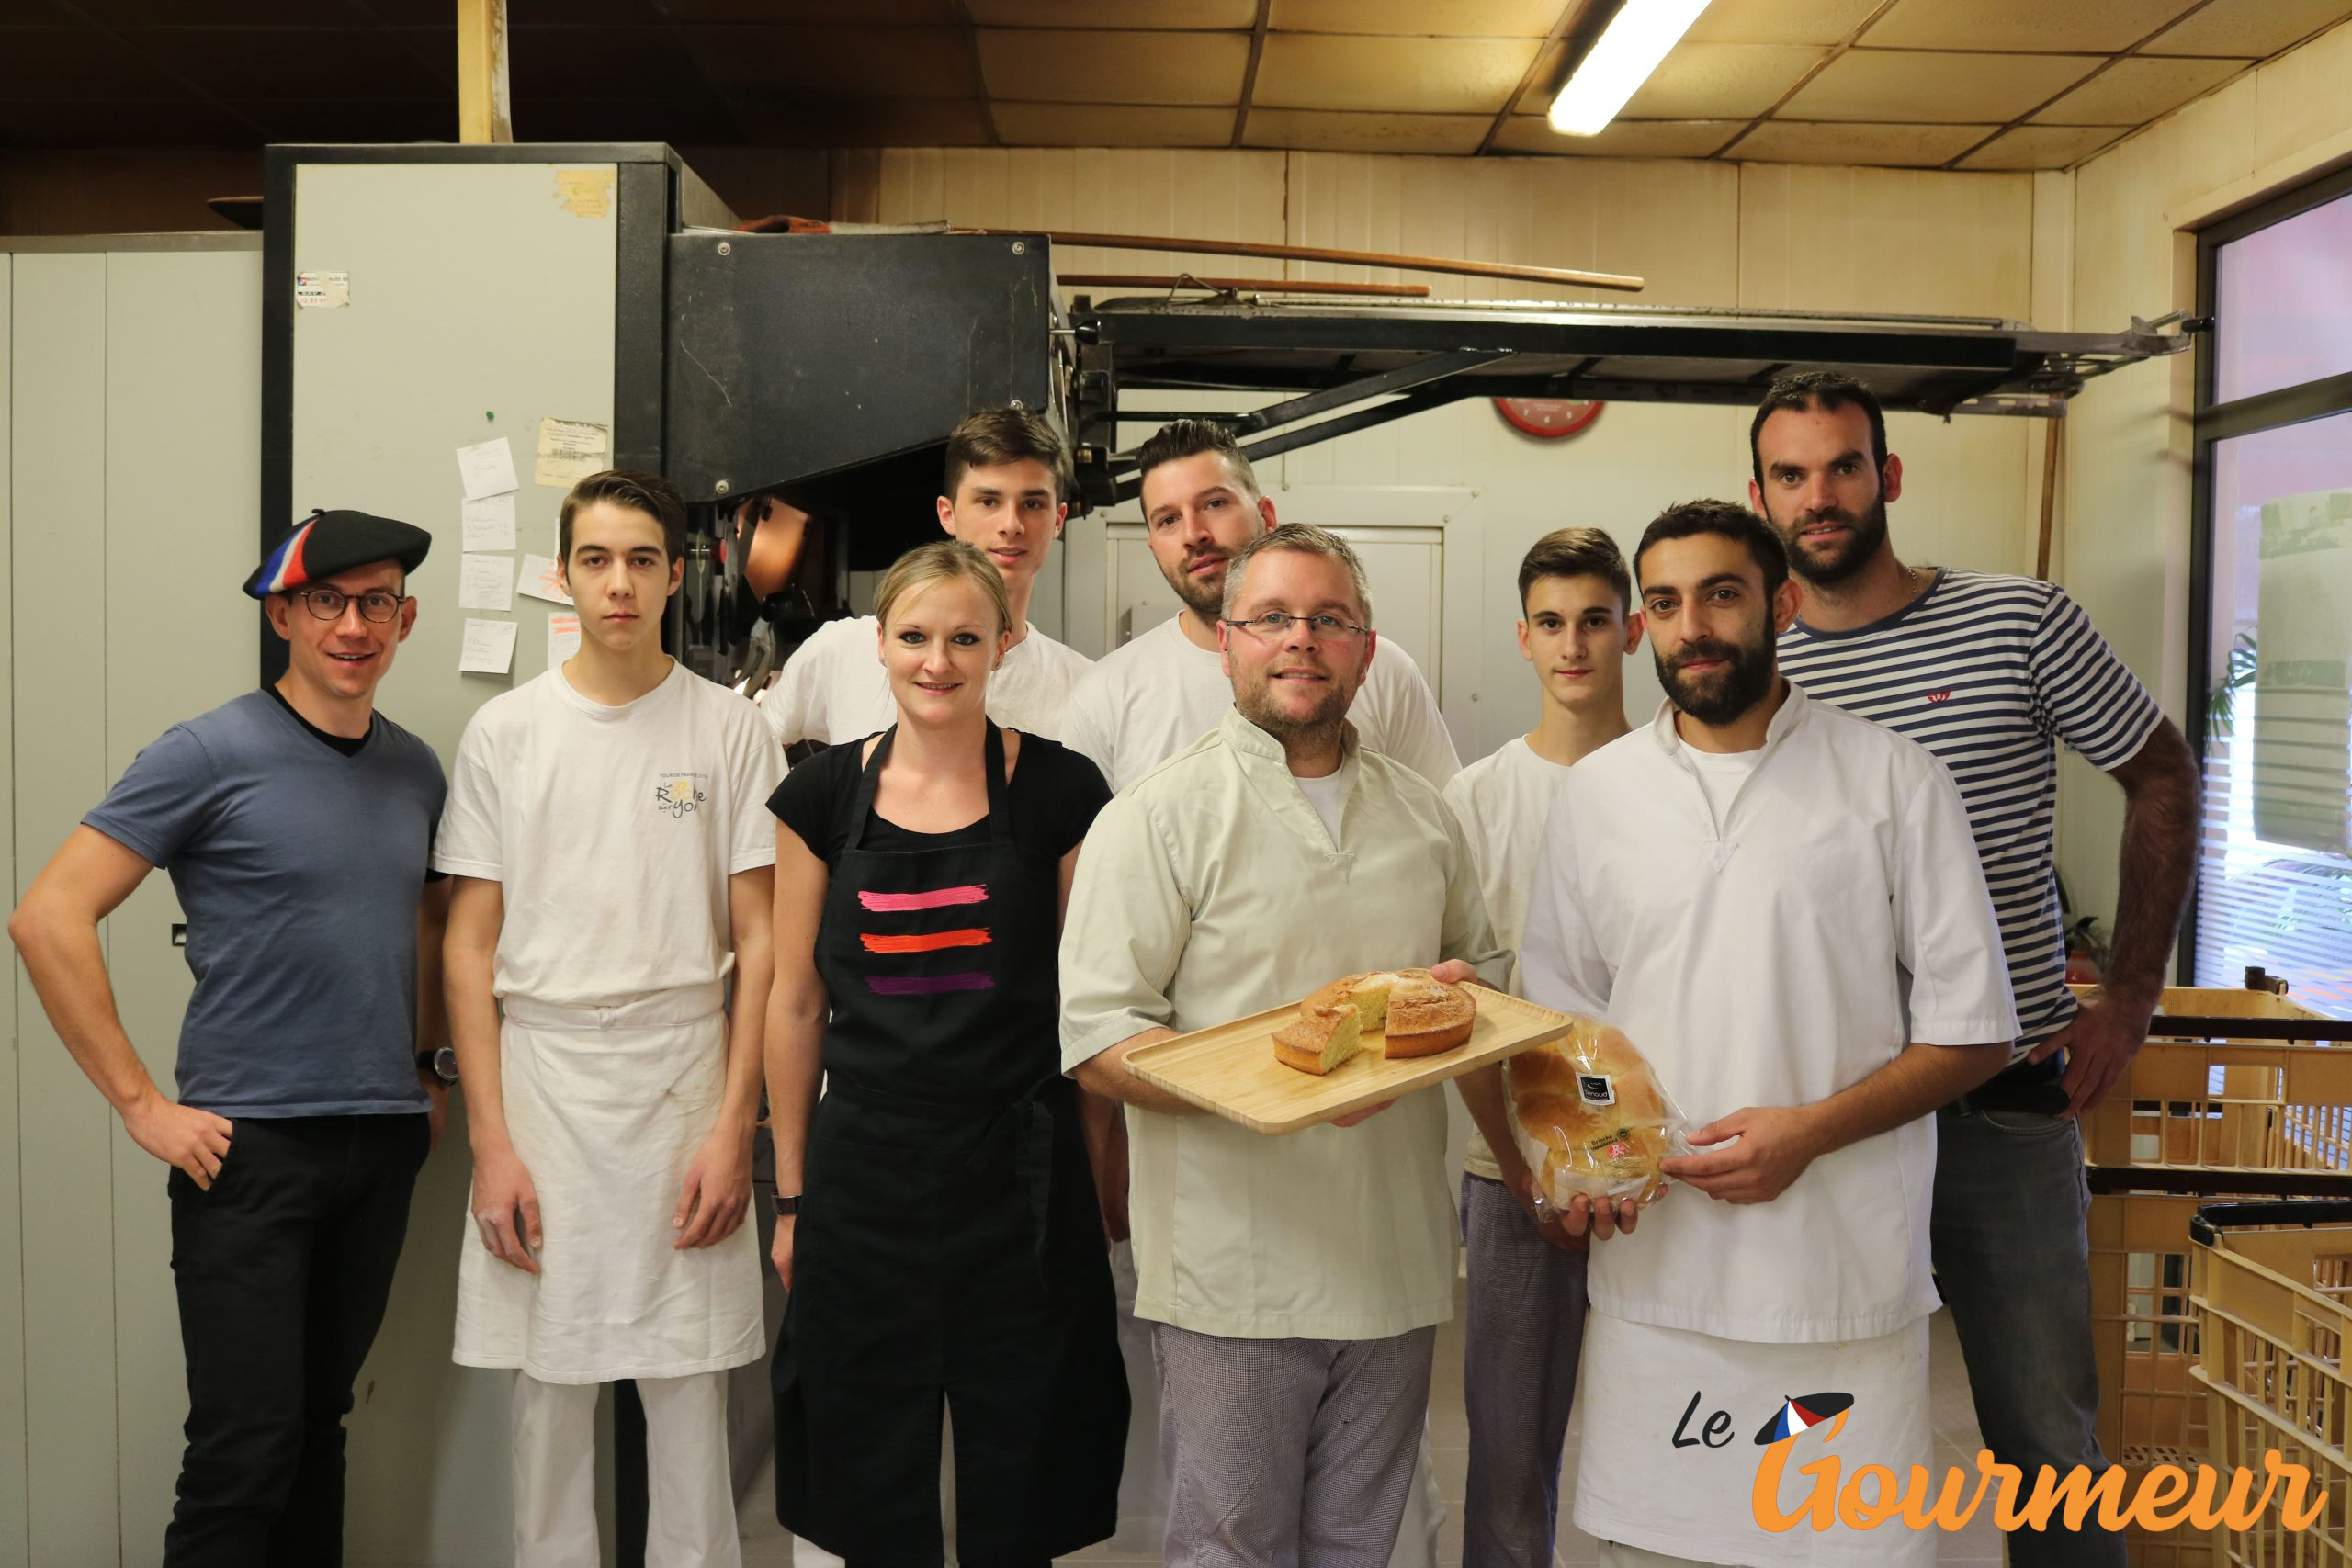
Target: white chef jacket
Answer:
pixel 1502 801
pixel 1835 915
pixel 1144 702
pixel 1211 890
pixel 833 688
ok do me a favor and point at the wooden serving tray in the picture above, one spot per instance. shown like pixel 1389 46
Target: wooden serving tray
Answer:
pixel 1231 1069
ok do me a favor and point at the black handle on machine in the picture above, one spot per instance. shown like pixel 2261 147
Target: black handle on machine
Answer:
pixel 2210 1218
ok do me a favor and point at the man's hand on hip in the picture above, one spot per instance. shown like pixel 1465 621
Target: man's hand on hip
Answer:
pixel 2099 1042
pixel 717 1190
pixel 196 1141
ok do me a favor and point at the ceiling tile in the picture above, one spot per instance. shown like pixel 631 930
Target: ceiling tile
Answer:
pixel 1897 146
pixel 800 121
pixel 1779 21
pixel 338 120
pixel 622 63
pixel 212 13
pixel 46 64
pixel 1309 131
pixel 304 64
pixel 1720 81
pixel 37 13
pixel 1895 87
pixel 541 15
pixel 2090 26
pixel 1457 18
pixel 2135 91
pixel 836 63
pixel 869 12
pixel 1179 15
pixel 612 118
pixel 1621 139
pixel 2257 27
pixel 1086 67
pixel 2043 146
pixel 1543 81
pixel 1391 75
pixel 1111 125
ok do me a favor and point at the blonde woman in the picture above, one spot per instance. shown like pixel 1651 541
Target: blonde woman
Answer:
pixel 940 1235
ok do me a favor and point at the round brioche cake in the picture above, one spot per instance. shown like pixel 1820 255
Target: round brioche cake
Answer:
pixel 1415 1014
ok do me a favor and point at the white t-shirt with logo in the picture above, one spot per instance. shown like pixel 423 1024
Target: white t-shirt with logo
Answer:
pixel 833 688
pixel 1501 801
pixel 613 831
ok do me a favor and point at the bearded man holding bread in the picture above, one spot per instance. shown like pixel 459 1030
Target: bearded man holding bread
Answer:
pixel 1779 905
pixel 1293 1284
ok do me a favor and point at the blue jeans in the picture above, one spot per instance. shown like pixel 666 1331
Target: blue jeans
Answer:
pixel 2013 1264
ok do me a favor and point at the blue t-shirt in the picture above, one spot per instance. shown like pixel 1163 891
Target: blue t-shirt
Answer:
pixel 299 870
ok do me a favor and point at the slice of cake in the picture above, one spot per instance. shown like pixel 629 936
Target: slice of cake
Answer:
pixel 1322 1039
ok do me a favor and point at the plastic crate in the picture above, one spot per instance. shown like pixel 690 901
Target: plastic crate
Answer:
pixel 2273 1296
pixel 2143 1333
pixel 2219 1116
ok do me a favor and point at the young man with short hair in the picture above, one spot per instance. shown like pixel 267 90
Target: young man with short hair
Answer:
pixel 608 831
pixel 1525 1319
pixel 1990 672
pixel 1146 701
pixel 294 823
pixel 1007 493
pixel 1779 905
pixel 1293 1283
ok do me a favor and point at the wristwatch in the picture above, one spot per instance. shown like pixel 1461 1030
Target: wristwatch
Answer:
pixel 785 1206
pixel 441 1064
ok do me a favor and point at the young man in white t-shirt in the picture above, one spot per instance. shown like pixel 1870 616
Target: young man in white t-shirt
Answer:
pixel 1146 701
pixel 608 832
pixel 1008 485
pixel 1525 1323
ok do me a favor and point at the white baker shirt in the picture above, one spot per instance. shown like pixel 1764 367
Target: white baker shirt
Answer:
pixel 834 690
pixel 1502 801
pixel 1833 914
pixel 1211 890
pixel 1142 704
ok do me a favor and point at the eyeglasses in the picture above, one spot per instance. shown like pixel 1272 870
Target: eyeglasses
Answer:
pixel 328 604
pixel 1321 628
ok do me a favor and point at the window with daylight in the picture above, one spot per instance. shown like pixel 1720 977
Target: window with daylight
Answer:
pixel 2273 553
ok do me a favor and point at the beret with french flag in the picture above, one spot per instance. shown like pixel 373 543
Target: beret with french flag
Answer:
pixel 325 543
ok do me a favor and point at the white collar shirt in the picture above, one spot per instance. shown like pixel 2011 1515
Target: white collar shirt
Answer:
pixel 1211 890
pixel 1834 914
pixel 1147 700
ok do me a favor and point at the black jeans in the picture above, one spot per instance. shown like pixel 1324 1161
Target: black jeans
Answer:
pixel 282 1268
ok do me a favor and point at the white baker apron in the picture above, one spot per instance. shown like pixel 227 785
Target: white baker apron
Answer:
pixel 607 1108
pixel 1635 1487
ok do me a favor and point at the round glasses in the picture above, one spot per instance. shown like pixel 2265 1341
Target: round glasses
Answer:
pixel 1322 628
pixel 328 604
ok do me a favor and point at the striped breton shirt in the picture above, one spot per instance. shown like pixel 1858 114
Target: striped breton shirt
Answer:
pixel 1989 672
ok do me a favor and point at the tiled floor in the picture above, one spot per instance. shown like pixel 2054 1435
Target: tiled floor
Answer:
pixel 1952 1414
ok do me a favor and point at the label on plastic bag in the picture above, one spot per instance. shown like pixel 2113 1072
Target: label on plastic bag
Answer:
pixel 1597 1089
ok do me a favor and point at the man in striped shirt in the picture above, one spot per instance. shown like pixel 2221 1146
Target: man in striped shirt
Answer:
pixel 1989 672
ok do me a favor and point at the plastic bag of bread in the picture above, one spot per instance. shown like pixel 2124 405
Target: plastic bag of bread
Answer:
pixel 1590 1118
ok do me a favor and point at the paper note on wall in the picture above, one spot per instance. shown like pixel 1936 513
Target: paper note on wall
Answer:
pixel 482 583
pixel 570 450
pixel 487 468
pixel 563 637
pixel 2302 685
pixel 489 648
pixel 540 580
pixel 322 290
pixel 585 193
pixel 490 522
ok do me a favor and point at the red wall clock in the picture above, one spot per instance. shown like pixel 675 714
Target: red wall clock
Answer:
pixel 1549 419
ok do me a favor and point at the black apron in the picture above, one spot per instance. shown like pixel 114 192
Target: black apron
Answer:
pixel 949 1244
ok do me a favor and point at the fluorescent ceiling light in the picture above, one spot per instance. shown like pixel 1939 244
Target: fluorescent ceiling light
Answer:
pixel 1638 38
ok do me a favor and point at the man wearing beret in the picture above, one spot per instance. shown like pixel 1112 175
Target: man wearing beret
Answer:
pixel 294 823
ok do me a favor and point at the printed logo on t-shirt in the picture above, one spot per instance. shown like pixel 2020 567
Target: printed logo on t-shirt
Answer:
pixel 678 794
